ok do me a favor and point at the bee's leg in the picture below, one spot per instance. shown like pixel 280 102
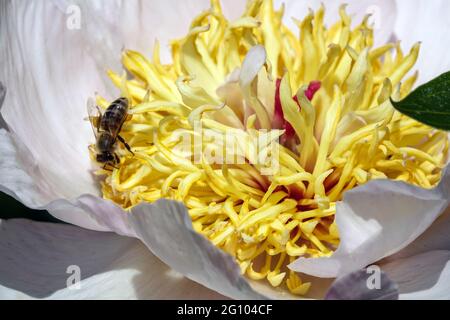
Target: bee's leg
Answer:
pixel 109 166
pixel 125 144
pixel 117 160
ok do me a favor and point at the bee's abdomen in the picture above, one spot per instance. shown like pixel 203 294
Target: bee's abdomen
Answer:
pixel 115 115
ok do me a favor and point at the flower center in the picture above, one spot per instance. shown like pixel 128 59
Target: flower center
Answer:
pixel 269 197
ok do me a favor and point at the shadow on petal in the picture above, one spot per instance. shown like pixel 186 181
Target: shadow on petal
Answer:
pixel 2 98
pixel 34 259
pixel 424 276
pixel 358 286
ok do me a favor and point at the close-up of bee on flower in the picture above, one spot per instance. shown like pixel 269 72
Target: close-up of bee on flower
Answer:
pixel 238 149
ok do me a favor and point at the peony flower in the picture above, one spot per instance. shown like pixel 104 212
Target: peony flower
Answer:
pixel 364 185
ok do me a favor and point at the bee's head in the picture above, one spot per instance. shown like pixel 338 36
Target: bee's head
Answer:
pixel 107 157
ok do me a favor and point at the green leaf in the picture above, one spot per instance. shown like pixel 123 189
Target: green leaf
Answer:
pixel 429 103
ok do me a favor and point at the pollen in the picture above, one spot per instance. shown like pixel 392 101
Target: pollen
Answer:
pixel 314 101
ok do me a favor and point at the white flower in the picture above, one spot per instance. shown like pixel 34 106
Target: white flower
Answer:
pixel 49 70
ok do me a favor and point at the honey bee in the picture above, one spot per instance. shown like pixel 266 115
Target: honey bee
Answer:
pixel 107 127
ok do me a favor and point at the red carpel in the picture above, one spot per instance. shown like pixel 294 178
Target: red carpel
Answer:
pixel 279 122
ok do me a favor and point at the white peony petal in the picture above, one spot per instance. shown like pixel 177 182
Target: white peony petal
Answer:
pixel 253 62
pixel 60 66
pixel 422 269
pixel 233 9
pixel 21 178
pixel 45 105
pixel 437 237
pixel 137 24
pixel 377 220
pixel 426 21
pixel 424 276
pixel 50 68
pixel 35 257
pixel 165 227
pixel 383 14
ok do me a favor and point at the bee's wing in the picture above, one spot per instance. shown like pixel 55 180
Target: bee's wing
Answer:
pixel 94 116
